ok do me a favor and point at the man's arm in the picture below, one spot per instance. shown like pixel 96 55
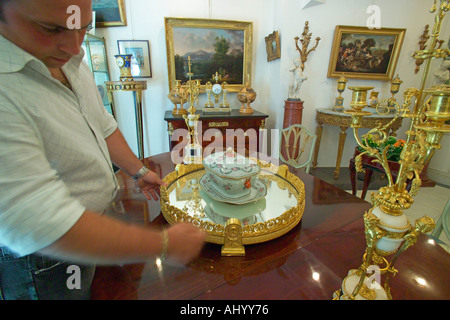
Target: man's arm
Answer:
pixel 101 239
pixel 121 154
pixel 104 240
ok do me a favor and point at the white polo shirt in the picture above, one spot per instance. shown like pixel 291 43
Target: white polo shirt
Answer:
pixel 54 161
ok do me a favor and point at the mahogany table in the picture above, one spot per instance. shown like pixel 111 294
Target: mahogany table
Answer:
pixel 308 262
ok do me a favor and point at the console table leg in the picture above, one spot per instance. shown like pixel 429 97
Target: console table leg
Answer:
pixel 367 177
pixel 352 171
pixel 319 130
pixel 342 137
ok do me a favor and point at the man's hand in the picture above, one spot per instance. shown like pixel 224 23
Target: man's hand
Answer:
pixel 185 243
pixel 150 184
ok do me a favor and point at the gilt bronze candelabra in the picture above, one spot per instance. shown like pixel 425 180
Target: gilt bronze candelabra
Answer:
pixel 305 40
pixel 193 151
pixel 388 231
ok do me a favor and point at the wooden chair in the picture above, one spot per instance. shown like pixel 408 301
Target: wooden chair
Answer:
pixel 369 167
pixel 443 223
pixel 295 141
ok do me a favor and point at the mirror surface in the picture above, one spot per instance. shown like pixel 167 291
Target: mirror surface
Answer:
pixel 187 194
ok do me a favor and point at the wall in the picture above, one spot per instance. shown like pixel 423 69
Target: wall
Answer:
pixel 269 79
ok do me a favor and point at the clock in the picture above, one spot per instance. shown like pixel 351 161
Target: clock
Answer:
pixel 120 62
pixel 217 89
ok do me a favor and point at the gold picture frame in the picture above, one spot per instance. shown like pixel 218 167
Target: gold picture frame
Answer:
pixel 109 13
pixel 187 36
pixel 363 53
pixel 273 46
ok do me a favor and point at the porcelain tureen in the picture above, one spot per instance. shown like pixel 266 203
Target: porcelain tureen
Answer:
pixel 232 175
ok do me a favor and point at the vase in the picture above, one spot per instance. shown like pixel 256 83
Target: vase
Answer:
pixel 124 63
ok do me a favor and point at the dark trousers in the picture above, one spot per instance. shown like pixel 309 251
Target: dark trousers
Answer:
pixel 37 277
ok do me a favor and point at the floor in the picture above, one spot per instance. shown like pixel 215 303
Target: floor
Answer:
pixel 429 201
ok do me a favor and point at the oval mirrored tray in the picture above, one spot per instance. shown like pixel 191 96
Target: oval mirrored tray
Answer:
pixel 278 210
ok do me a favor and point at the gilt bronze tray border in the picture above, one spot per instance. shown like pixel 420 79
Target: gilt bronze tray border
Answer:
pixel 233 236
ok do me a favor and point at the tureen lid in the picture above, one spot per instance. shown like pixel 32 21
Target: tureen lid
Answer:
pixel 231 164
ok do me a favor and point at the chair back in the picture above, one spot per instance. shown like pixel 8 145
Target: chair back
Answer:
pixel 443 223
pixel 296 141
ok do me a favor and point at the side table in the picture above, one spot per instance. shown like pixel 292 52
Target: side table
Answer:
pixel 344 121
pixel 234 121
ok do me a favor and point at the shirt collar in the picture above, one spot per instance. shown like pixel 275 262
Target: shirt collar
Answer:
pixel 14 59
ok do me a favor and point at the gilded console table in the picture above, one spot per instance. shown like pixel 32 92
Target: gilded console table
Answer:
pixel 136 87
pixel 344 121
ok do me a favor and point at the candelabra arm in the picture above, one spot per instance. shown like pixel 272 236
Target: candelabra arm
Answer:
pixel 381 159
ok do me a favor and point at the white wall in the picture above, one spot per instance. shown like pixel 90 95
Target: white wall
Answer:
pixel 269 79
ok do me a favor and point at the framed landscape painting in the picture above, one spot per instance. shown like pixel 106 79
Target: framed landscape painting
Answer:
pixel 214 46
pixel 109 13
pixel 363 53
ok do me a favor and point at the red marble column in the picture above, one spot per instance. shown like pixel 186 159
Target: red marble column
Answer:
pixel 293 111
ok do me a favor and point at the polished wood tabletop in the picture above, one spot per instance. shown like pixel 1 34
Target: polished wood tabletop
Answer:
pixel 308 262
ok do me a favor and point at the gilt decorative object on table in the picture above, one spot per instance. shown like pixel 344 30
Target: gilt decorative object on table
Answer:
pixel 241 202
pixel 193 151
pixel 387 229
pixel 178 97
pixel 219 93
pixel 339 104
pixel 246 96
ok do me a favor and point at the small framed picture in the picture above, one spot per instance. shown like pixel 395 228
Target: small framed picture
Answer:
pixel 273 46
pixel 140 62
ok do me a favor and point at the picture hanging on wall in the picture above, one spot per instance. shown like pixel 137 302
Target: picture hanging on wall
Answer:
pixel 214 46
pixel 109 13
pixel 363 53
pixel 140 61
pixel 273 46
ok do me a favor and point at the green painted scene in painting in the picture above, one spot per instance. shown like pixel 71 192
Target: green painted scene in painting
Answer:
pixel 211 51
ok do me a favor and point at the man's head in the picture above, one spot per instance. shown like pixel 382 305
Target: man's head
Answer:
pixel 41 27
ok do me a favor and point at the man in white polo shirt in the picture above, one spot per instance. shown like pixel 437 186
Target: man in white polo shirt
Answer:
pixel 57 142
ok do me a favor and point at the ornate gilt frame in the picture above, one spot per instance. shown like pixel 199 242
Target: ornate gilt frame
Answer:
pixel 340 30
pixel 234 240
pixel 273 53
pixel 247 27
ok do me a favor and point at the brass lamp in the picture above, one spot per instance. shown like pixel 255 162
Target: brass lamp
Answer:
pixel 388 232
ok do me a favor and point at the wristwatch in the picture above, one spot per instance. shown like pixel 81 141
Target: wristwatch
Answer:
pixel 142 172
